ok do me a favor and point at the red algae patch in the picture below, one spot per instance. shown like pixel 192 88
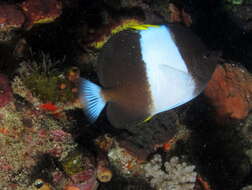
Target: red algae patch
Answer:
pixel 230 91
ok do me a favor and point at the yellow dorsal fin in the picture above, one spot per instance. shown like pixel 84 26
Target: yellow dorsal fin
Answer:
pixel 124 25
pixel 142 26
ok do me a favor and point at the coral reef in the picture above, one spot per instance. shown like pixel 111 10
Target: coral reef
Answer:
pixel 125 163
pixel 46 143
pixel 26 135
pixel 11 18
pixel 104 173
pixel 230 91
pixel 39 11
pixel 22 16
pixel 159 173
pixel 80 167
pixel 37 147
pixel 46 83
pixel 5 91
pixel 177 175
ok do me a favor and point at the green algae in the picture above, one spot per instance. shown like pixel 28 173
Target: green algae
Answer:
pixel 46 88
pixel 42 78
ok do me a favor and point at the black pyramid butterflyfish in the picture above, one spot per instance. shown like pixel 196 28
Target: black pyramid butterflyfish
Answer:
pixel 146 70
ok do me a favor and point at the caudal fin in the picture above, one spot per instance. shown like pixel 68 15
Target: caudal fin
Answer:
pixel 90 95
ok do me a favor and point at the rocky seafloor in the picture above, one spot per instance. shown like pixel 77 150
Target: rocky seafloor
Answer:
pixel 47 143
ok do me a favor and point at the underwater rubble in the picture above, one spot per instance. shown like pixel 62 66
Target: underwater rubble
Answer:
pixel 46 141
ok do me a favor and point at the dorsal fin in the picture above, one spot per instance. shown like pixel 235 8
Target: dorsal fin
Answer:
pixel 125 24
pixel 142 26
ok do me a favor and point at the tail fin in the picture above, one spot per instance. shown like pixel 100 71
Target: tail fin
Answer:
pixel 90 95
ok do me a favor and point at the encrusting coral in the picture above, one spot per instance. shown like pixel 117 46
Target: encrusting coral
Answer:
pixel 26 135
pixel 31 135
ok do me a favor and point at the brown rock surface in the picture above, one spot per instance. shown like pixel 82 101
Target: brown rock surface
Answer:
pixel 230 91
pixel 41 11
pixel 10 17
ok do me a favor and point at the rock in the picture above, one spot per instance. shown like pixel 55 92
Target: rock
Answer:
pixel 10 17
pixel 81 169
pixel 230 92
pixel 240 14
pixel 5 91
pixel 41 11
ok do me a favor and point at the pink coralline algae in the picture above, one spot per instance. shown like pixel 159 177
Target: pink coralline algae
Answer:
pixel 59 135
pixel 83 176
pixel 5 91
pixel 81 170
pixel 90 184
pixel 57 176
pixel 85 180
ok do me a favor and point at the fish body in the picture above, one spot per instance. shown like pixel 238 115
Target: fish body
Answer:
pixel 146 71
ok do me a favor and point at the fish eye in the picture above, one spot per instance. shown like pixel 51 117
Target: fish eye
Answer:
pixel 38 183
